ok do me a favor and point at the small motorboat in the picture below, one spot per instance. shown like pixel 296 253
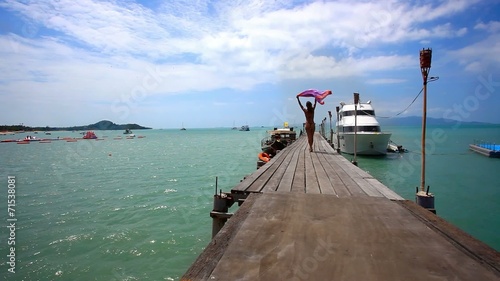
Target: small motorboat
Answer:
pixel 89 135
pixel 393 147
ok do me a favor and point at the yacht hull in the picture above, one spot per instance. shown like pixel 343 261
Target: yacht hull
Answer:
pixel 368 143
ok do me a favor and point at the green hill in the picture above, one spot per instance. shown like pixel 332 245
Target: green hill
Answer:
pixel 101 125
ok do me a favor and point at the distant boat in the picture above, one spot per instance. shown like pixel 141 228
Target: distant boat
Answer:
pixel 182 128
pixel 30 138
pixel 245 128
pixel 90 135
pixel 129 133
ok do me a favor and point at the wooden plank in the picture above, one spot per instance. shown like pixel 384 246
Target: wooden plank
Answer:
pixel 370 185
pixel 297 236
pixel 338 185
pixel 365 186
pixel 208 259
pixel 479 250
pixel 243 185
pixel 298 184
pixel 335 161
pixel 351 170
pixel 387 192
pixel 276 178
pixel 285 184
pixel 261 182
pixel 325 185
pixel 311 180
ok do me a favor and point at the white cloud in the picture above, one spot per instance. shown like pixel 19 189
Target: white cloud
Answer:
pixel 492 26
pixel 104 51
pixel 479 56
pixel 385 81
pixel 232 36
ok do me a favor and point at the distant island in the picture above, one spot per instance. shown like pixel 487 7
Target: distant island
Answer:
pixel 101 125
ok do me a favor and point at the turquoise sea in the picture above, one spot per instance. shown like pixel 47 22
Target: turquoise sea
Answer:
pixel 138 209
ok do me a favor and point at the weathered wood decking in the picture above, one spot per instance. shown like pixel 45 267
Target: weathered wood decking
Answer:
pixel 322 171
pixel 315 216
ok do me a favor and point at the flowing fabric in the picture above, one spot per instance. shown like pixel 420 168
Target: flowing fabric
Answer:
pixel 319 96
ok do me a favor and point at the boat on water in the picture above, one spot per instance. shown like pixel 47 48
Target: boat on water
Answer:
pixel 129 133
pixel 245 128
pixel 234 127
pixel 31 138
pixel 28 139
pixel 396 148
pixel 278 138
pixel 89 135
pixel 359 120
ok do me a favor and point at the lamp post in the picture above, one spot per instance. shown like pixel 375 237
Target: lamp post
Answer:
pixel 423 197
pixel 338 122
pixel 331 130
pixel 356 101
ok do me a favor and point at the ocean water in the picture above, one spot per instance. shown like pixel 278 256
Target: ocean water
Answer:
pixel 139 209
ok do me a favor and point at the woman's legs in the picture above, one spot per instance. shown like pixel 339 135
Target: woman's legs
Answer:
pixel 310 135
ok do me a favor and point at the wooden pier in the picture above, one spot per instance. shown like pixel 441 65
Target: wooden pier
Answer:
pixel 315 216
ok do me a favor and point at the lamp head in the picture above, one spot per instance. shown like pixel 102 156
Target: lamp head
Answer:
pixel 425 58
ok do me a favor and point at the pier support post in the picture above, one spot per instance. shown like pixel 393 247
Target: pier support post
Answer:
pixel 425 199
pixel 220 214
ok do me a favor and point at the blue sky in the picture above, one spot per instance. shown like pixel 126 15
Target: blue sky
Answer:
pixel 217 63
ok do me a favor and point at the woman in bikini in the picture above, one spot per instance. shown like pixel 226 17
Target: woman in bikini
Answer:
pixel 310 126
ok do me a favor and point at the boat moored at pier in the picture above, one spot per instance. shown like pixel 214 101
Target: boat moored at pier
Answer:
pixel 357 121
pixel 279 138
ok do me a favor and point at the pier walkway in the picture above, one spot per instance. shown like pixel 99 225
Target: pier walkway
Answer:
pixel 324 171
pixel 315 216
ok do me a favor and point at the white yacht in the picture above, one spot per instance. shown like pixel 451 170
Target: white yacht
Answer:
pixel 370 140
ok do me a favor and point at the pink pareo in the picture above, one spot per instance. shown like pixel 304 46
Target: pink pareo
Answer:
pixel 319 96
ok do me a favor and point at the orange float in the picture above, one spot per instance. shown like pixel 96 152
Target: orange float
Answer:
pixel 264 157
